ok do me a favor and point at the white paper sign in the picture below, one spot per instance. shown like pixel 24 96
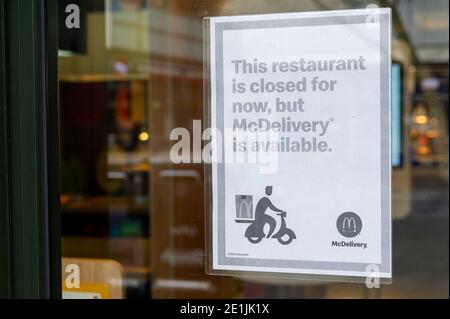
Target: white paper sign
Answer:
pixel 301 181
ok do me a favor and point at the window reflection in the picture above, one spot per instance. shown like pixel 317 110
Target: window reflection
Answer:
pixel 134 221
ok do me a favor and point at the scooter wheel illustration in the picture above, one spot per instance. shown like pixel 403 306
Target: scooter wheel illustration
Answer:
pixel 254 240
pixel 290 237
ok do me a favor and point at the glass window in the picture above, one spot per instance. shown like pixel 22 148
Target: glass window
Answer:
pixel 133 222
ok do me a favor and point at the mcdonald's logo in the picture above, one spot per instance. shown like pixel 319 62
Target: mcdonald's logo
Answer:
pixel 244 206
pixel 245 213
pixel 349 224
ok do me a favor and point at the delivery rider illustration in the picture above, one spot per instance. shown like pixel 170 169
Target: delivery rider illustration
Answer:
pixel 261 218
pixel 255 232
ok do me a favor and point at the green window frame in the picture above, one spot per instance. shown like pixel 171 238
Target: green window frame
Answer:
pixel 29 150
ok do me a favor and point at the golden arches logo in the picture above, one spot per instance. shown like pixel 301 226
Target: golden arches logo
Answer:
pixel 248 209
pixel 349 223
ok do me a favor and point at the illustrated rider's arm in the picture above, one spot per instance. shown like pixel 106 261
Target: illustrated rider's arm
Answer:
pixel 272 207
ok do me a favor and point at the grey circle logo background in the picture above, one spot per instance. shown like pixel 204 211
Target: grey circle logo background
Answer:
pixel 349 224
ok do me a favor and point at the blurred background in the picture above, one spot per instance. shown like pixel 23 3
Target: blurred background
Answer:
pixel 134 221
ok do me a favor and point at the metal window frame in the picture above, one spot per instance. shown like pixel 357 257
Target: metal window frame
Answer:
pixel 30 258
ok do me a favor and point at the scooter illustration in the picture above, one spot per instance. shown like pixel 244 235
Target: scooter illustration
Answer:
pixel 284 231
pixel 255 233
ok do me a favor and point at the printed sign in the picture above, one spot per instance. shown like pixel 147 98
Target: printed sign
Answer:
pixel 299 108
